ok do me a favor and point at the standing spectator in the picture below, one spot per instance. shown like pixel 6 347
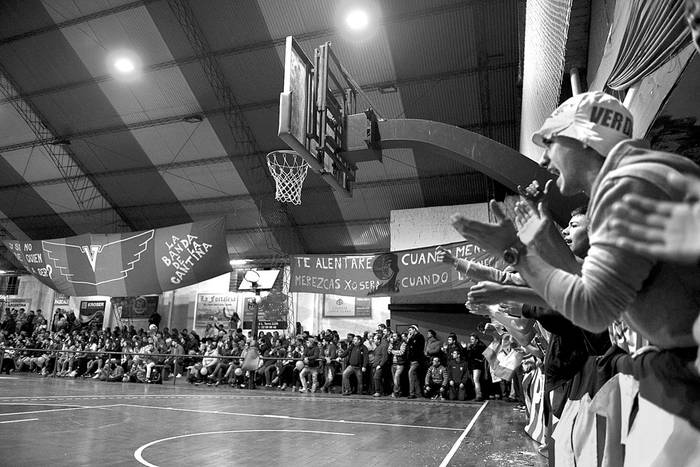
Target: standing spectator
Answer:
pixel 452 345
pixel 312 353
pixel 380 364
pixel 433 347
pixel 155 319
pixel 436 380
pixel 399 346
pixel 331 365
pixel 415 357
pixel 475 362
pixel 357 365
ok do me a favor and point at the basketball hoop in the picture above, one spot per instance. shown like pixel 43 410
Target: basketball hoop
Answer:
pixel 289 171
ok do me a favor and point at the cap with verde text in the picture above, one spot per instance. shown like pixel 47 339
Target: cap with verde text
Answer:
pixel 593 118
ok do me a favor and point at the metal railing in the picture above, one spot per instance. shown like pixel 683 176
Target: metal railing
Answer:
pixel 113 354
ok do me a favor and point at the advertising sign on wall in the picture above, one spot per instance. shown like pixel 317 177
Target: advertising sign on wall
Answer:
pixel 92 311
pixel 339 306
pixel 215 309
pixel 141 307
pixel 272 311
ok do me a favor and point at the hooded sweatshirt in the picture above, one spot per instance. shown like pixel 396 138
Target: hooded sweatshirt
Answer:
pixel 658 299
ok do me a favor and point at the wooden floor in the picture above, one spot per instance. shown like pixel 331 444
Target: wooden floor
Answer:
pixel 53 421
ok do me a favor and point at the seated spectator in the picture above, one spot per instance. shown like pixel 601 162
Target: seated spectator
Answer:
pixel 458 381
pixel 436 380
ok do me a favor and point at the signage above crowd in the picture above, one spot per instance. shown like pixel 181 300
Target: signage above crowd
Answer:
pixel 406 272
pixel 127 264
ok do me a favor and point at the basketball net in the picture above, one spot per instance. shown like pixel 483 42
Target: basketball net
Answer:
pixel 289 171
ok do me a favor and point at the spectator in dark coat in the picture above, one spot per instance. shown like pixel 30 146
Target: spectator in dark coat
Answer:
pixel 458 382
pixel 357 364
pixel 415 357
pixel 380 364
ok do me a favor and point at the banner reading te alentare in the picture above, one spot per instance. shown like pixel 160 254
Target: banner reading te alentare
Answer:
pixel 127 264
pixel 407 272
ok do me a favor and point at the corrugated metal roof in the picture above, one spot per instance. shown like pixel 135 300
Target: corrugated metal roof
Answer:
pixel 33 163
pixel 159 170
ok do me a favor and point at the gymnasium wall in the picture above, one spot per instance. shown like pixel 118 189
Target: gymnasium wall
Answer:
pixel 418 228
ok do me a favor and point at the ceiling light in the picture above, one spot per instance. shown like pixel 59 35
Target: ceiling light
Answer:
pixel 124 65
pixel 238 262
pixel 357 20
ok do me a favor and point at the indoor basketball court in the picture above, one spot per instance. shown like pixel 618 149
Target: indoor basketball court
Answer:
pixel 349 232
pixel 96 423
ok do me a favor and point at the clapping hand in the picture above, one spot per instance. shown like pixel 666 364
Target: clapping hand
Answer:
pixel 445 255
pixel 494 238
pixel 486 293
pixel 666 230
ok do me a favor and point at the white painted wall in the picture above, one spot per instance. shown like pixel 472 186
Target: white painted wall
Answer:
pixel 308 310
pixel 419 228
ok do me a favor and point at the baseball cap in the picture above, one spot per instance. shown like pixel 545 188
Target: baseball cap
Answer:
pixel 593 118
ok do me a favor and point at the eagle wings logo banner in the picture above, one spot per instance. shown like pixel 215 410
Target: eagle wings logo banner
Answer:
pixel 132 246
pixel 128 264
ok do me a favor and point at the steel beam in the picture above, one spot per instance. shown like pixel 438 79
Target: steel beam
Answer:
pixel 87 194
pixel 501 163
pixel 218 200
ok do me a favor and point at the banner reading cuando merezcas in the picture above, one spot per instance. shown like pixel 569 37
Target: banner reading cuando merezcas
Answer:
pixel 127 264
pixel 407 272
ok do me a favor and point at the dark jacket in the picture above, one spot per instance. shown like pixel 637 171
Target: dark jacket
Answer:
pixel 399 350
pixel 416 344
pixel 381 355
pixel 312 354
pixel 357 355
pixel 458 372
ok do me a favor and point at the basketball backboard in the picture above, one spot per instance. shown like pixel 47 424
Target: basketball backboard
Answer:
pixel 266 280
pixel 317 99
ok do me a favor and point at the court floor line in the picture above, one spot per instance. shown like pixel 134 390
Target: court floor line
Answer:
pixel 229 396
pixel 138 454
pixel 22 420
pixel 303 419
pixel 464 434
pixel 60 410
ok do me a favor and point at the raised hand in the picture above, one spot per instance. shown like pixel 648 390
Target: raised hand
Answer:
pixel 663 229
pixel 445 255
pixel 533 196
pixel 478 309
pixel 494 238
pixel 487 293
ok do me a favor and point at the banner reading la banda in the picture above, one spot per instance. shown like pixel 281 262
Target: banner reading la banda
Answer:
pixel 127 264
pixel 406 272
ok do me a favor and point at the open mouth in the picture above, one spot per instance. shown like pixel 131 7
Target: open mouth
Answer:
pixel 553 171
pixel 568 240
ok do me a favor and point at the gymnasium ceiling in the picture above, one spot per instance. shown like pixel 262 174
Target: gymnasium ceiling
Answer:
pixel 135 162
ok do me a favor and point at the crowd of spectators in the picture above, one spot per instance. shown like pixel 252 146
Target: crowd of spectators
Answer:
pixel 380 362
